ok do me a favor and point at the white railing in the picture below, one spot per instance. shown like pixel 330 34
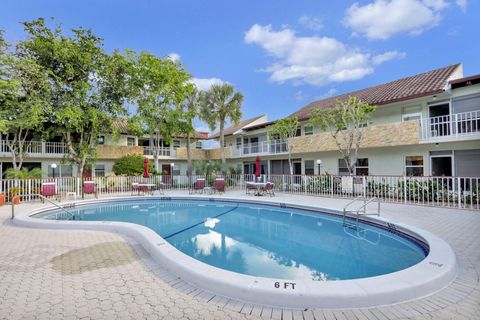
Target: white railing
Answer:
pixel 457 192
pixel 37 148
pixel 162 151
pixel 454 125
pixel 264 147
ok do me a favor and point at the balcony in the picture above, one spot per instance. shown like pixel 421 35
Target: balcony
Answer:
pixel 458 126
pixel 41 149
pixel 163 152
pixel 260 148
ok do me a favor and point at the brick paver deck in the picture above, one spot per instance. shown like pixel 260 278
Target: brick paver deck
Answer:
pixel 56 274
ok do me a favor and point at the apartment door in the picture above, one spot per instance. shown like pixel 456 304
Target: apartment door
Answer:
pixel 442 166
pixel 167 172
pixel 440 120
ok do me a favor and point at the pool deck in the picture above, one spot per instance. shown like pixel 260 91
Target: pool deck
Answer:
pixel 75 274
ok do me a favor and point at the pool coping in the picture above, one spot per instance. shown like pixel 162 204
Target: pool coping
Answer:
pixel 430 275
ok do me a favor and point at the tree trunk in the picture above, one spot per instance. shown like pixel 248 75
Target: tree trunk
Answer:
pixel 290 164
pixel 222 142
pixel 189 157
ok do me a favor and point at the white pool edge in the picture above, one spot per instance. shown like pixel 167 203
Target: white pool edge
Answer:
pixel 433 273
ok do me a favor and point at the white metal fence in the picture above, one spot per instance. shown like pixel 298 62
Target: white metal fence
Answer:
pixel 458 192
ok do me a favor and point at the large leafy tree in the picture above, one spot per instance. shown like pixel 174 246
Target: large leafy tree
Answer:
pixel 283 130
pixel 161 87
pixel 221 104
pixel 88 87
pixel 345 122
pixel 24 103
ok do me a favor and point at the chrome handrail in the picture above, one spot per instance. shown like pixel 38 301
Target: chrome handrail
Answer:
pixel 40 196
pixel 358 211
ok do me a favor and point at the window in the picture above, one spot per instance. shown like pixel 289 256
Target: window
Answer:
pixel 66 170
pixel 198 144
pixel 412 116
pixel 361 167
pixel 176 144
pixel 100 170
pixel 343 168
pixel 298 133
pixel 239 143
pixel 130 141
pixel 101 140
pixel 309 167
pixel 308 130
pixel 414 166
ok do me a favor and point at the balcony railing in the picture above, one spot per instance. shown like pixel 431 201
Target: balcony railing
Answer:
pixel 453 125
pixel 38 148
pixel 162 152
pixel 264 147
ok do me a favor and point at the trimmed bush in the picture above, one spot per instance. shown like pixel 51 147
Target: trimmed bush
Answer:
pixel 130 165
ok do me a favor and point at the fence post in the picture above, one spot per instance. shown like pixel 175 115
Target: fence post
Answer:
pixel 364 187
pixel 459 193
pixel 405 189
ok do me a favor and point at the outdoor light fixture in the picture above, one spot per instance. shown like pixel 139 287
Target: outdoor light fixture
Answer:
pixel 54 166
pixel 319 164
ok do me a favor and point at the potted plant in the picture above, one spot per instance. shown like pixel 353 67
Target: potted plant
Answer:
pixel 12 192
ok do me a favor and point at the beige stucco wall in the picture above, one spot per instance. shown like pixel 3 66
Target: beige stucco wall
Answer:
pixel 197 154
pixel 116 151
pixel 384 135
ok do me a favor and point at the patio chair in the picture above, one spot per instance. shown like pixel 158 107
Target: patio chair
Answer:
pixel 161 188
pixel 269 189
pixel 89 188
pixel 219 185
pixel 135 188
pixel 49 189
pixel 249 187
pixel 198 186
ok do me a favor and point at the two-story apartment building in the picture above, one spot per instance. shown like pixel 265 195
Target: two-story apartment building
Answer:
pixel 44 154
pixel 427 124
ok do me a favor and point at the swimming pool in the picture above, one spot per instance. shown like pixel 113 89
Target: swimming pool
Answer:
pixel 265 241
pixel 263 252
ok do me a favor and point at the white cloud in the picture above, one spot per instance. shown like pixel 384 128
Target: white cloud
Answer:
pixel 312 60
pixel 389 55
pixel 462 4
pixel 175 57
pixel 312 23
pixel 330 93
pixel 203 84
pixel 301 96
pixel 382 19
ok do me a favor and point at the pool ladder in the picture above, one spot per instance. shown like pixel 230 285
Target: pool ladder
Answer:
pixel 359 211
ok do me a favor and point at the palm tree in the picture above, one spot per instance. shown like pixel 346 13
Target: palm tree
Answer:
pixel 192 106
pixel 220 104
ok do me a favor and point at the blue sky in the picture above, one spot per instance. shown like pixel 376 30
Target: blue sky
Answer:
pixel 280 54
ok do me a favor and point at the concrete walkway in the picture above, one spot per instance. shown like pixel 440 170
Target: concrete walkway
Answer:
pixel 49 274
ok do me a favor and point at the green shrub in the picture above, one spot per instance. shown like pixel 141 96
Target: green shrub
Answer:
pixel 130 165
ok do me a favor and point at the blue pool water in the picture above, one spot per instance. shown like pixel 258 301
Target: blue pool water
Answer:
pixel 262 240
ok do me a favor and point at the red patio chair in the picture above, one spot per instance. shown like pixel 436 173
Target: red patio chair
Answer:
pixel 269 189
pixel 49 189
pixel 199 186
pixel 89 188
pixel 219 185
